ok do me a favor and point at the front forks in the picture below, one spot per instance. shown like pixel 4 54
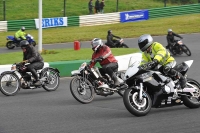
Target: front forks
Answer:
pixel 140 92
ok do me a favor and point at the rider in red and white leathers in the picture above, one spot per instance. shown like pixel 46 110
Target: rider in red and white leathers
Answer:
pixel 103 54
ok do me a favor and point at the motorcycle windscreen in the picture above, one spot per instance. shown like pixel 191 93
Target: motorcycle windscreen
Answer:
pixel 182 68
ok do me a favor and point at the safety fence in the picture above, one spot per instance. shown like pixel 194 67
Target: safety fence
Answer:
pixel 174 10
pixel 102 19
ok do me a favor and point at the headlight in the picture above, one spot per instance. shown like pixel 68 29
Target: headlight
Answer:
pixel 13 68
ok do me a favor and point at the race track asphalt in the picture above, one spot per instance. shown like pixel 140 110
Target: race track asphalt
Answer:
pixel 38 111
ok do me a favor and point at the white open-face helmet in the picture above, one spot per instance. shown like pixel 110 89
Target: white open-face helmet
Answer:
pixel 144 42
pixel 96 44
pixel 169 30
pixel 23 28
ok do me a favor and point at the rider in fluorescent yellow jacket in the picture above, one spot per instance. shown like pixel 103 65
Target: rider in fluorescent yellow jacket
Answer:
pixel 153 54
pixel 20 34
pixel 159 53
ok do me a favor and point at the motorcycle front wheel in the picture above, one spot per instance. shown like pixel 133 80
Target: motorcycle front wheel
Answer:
pixel 136 106
pixel 10 45
pixel 82 90
pixel 192 101
pixel 186 50
pixel 51 79
pixel 10 84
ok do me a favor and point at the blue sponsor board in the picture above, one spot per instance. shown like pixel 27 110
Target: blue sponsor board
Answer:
pixel 52 22
pixel 132 16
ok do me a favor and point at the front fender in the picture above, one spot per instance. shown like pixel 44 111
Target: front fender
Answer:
pixel 7 72
pixel 47 68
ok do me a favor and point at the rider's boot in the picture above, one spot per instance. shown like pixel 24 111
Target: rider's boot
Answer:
pixel 37 83
pixel 181 85
pixel 116 81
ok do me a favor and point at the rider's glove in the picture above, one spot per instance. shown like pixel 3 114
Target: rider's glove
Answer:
pixel 98 59
pixel 149 65
pixel 25 61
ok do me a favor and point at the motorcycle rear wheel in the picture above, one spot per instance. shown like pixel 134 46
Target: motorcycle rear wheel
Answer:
pixel 33 43
pixel 82 90
pixel 10 84
pixel 134 105
pixel 10 45
pixel 173 51
pixel 186 50
pixel 192 102
pixel 124 46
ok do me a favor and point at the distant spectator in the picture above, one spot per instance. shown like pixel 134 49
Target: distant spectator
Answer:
pixel 102 6
pixel 97 6
pixel 90 6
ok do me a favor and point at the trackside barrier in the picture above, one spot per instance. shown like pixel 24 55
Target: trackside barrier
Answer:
pixel 99 19
pixel 3 25
pixel 174 10
pixel 65 67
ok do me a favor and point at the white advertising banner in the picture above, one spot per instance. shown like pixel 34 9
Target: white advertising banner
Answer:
pixel 51 22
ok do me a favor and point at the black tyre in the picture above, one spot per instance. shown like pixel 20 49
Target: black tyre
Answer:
pixel 121 92
pixel 52 79
pixel 10 83
pixel 82 90
pixel 134 105
pixel 33 43
pixel 173 51
pixel 124 46
pixel 186 50
pixel 192 102
pixel 10 45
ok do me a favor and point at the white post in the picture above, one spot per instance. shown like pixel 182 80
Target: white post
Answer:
pixel 40 26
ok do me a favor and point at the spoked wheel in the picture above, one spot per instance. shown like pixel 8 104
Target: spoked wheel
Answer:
pixel 186 50
pixel 136 106
pixel 10 84
pixel 10 45
pixel 51 79
pixel 192 101
pixel 124 46
pixel 82 90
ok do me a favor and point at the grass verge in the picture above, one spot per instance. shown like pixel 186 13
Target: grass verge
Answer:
pixel 62 55
pixel 180 24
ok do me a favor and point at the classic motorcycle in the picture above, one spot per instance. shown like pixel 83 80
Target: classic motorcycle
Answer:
pixel 119 44
pixel 88 81
pixel 143 85
pixel 19 77
pixel 179 48
pixel 12 42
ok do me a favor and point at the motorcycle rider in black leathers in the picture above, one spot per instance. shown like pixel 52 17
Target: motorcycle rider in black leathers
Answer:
pixel 30 55
pixel 110 41
pixel 170 38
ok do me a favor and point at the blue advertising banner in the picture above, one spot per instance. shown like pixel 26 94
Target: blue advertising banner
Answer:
pixel 132 16
pixel 51 22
